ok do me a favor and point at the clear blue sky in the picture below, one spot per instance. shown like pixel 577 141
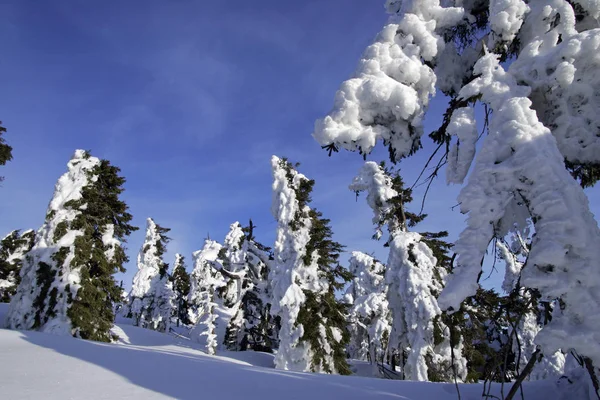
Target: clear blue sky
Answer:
pixel 190 99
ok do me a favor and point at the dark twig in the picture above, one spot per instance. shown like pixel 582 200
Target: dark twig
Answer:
pixel 524 374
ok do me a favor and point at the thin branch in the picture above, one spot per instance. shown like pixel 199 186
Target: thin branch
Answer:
pixel 526 371
pixel 426 165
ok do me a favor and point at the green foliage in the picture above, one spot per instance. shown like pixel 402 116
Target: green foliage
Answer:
pixel 303 191
pixel 91 310
pixel 9 270
pixel 161 244
pixel 253 327
pixel 44 277
pixel 60 230
pixel 486 320
pixel 323 310
pixel 587 174
pixel 181 287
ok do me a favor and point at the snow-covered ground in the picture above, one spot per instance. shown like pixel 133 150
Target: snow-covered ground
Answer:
pixel 150 365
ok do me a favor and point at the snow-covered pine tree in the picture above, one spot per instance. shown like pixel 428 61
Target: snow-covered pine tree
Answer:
pixel 414 278
pixel 312 334
pixel 541 109
pixel 323 317
pixel 230 267
pixel 526 314
pixel 291 191
pixel 252 326
pixel 369 315
pixel 67 284
pixel 13 249
pixel 162 301
pixel 146 289
pixel 205 280
pixel 181 286
pixel 5 149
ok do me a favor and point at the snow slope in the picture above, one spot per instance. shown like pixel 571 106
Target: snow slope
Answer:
pixel 151 365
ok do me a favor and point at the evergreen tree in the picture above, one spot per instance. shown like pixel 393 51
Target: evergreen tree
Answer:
pixel 252 326
pixel 5 149
pixel 181 286
pixel 532 65
pixel 303 279
pixel 369 315
pixel 414 277
pixel 323 316
pixel 151 280
pixel 162 301
pixel 67 282
pixel 205 280
pixel 13 249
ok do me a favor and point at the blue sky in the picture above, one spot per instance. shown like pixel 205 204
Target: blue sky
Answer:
pixel 190 99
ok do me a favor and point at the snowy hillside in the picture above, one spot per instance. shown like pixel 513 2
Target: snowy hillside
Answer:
pixel 151 365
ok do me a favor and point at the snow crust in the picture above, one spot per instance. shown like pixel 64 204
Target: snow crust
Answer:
pixel 22 311
pixel 136 368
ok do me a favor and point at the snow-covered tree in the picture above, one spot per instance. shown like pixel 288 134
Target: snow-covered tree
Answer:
pixel 162 301
pixel 303 278
pixel 13 249
pixel 369 315
pixel 323 317
pixel 414 279
pixel 150 283
pixel 526 314
pixel 542 131
pixel 67 285
pixel 290 197
pixel 181 286
pixel 229 296
pixel 205 280
pixel 252 326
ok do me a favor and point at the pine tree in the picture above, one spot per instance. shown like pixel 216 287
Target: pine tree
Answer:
pixel 252 326
pixel 162 301
pixel 151 280
pixel 531 65
pixel 5 149
pixel 181 286
pixel 414 277
pixel 323 316
pixel 369 315
pixel 67 282
pixel 525 312
pixel 304 276
pixel 13 249
pixel 205 280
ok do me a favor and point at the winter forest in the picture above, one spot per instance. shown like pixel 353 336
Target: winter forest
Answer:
pixel 520 136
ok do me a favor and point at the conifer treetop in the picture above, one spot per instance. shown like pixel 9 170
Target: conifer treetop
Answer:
pixel 67 285
pixel 149 261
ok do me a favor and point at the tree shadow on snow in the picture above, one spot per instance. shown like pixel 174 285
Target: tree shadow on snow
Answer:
pixel 189 374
